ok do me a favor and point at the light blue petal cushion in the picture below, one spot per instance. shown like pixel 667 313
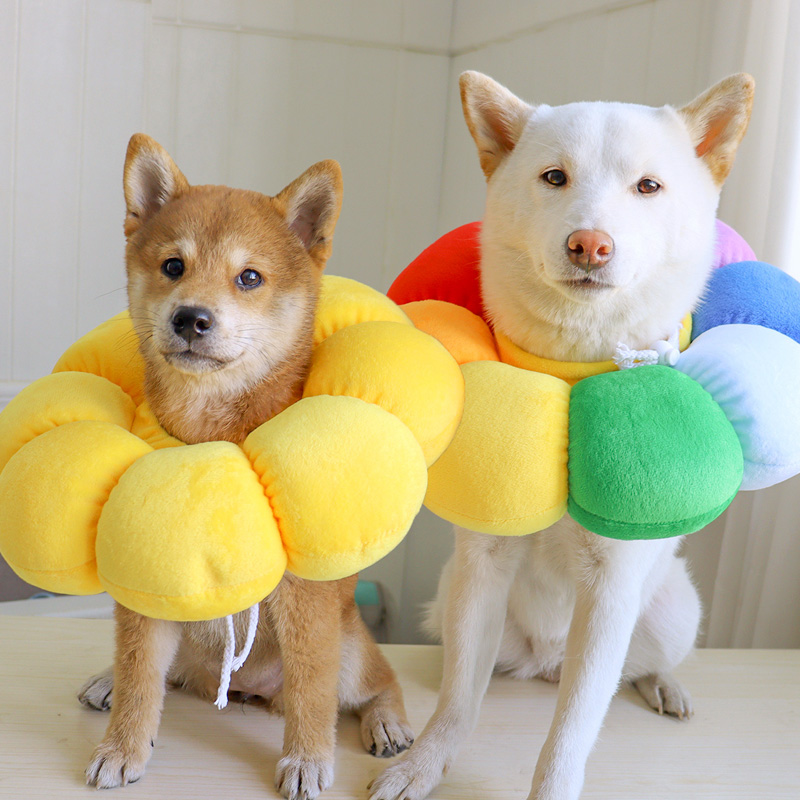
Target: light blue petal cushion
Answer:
pixel 753 373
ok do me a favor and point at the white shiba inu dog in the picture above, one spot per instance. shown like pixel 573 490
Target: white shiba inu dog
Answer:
pixel 599 229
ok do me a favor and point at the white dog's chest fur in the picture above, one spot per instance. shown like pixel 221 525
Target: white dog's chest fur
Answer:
pixel 548 566
pixel 541 599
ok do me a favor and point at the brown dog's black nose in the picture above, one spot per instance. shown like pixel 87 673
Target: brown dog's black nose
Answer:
pixel 192 322
pixel 590 249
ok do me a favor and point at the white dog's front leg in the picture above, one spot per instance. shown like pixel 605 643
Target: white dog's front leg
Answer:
pixel 606 609
pixel 474 617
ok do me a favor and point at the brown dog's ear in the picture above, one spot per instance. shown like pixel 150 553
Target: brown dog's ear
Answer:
pixel 717 121
pixel 495 118
pixel 151 178
pixel 311 205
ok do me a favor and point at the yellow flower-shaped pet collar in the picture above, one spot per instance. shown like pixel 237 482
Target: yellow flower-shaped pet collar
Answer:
pixel 96 495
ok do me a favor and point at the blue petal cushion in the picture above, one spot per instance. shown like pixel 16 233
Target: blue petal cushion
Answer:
pixel 753 373
pixel 750 293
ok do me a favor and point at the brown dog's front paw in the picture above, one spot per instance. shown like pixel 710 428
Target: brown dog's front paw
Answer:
pixel 387 735
pixel 97 691
pixel 303 779
pixel 113 765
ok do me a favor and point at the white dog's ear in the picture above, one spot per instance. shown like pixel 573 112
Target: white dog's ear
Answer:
pixel 495 118
pixel 717 121
pixel 311 205
pixel 151 178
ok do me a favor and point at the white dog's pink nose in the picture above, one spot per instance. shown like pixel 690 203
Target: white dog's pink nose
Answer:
pixel 590 249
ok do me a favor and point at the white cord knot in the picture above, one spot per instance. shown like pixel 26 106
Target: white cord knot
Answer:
pixel 231 663
pixel 665 352
pixel 625 358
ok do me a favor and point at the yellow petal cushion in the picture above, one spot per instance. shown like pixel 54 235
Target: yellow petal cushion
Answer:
pixel 190 532
pixel 52 492
pixel 310 462
pixel 344 302
pixel 188 528
pixel 498 478
pixel 377 353
pixel 111 350
pixel 56 400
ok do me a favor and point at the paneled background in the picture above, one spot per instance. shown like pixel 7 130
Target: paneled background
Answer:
pixel 251 92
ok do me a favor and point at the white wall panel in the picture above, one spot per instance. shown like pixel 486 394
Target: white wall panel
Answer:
pixel 427 24
pixel 113 104
pixel 48 152
pixel 277 15
pixel 676 53
pixel 418 24
pixel 168 9
pixel 8 96
pixel 263 127
pixel 477 23
pixel 418 129
pixel 212 12
pixel 161 89
pixel 204 105
pixel 625 72
pixel 356 128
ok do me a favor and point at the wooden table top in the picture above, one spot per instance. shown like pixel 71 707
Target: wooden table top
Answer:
pixel 742 744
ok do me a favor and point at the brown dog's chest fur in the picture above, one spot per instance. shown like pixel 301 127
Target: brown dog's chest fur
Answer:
pixel 193 414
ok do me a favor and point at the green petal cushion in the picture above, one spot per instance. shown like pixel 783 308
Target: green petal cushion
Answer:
pixel 651 454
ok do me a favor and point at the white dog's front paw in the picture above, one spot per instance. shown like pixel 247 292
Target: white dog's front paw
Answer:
pixel 303 779
pixel 114 765
pixel 666 695
pixel 406 780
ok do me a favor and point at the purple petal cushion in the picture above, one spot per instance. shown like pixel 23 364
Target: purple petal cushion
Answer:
pixel 730 247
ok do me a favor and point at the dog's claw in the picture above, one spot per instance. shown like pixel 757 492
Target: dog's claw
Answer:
pixel 385 735
pixel 666 696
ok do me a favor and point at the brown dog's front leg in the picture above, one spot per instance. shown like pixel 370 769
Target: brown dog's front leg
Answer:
pixel 307 619
pixel 144 651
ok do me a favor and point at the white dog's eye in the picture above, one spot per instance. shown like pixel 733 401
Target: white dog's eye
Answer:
pixel 555 177
pixel 647 186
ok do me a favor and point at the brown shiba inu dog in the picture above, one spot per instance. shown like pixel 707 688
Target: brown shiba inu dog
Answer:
pixel 222 286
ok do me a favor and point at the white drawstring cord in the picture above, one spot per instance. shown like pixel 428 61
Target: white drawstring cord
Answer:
pixel 231 664
pixel 665 352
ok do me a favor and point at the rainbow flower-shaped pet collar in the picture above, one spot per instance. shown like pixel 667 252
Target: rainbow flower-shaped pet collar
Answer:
pixel 96 495
pixel 650 452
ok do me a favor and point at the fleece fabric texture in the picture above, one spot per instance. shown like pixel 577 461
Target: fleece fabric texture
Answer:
pixel 753 374
pixel 95 494
pixel 379 351
pixel 652 452
pixel 751 293
pixel 500 476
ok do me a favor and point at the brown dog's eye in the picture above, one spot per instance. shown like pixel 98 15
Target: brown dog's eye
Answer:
pixel 647 186
pixel 555 177
pixel 172 268
pixel 249 279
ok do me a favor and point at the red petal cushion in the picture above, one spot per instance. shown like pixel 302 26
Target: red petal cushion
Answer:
pixel 448 270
